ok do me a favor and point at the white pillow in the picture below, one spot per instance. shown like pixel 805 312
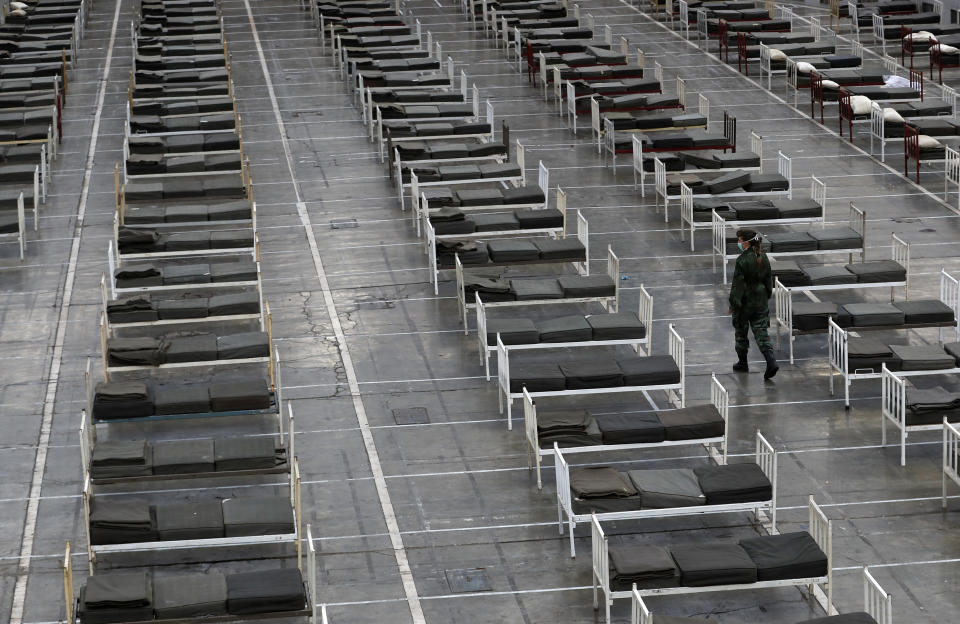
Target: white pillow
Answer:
pixel 829 84
pixel 860 104
pixel 777 55
pixel 891 115
pixel 921 35
pixel 927 142
pixel 805 68
pixel 18 13
pixel 945 49
pixel 18 5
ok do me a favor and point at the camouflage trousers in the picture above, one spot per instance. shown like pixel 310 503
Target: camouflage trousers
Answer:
pixel 759 323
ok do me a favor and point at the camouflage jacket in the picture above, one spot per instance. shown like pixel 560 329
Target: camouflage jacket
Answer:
pixel 752 285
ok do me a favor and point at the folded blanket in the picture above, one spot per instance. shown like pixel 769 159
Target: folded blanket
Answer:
pixel 599 482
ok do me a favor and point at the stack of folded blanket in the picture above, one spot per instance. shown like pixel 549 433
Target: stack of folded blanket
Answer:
pixel 115 400
pixel 117 597
pixel 185 212
pixel 148 240
pixel 928 406
pixel 137 458
pixel 186 347
pixel 146 275
pixel 145 308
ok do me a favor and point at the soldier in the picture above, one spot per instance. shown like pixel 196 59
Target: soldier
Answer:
pixel 749 293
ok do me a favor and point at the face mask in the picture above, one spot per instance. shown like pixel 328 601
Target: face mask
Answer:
pixel 741 245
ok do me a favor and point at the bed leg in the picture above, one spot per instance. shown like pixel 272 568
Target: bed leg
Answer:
pixel 903 446
pixel 846 394
pixel 536 453
pixel 573 550
pixel 509 402
pixel 486 365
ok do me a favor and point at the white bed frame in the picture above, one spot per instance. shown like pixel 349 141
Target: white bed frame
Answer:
pixel 110 369
pixel 756 147
pixel 820 528
pixel 610 303
pixel 88 440
pixel 676 393
pixel 607 138
pixel 893 407
pixel 877 22
pixel 951 459
pixel 315 612
pixel 716 447
pixel 951 174
pixel 764 456
pixel 783 295
pixel 385 145
pixel 147 548
pixel 876 602
pixel 571 101
pixel 598 120
pixel 414 184
pixel 236 126
pixel 558 88
pixel 818 191
pixel 878 124
pixel 686 195
pixel 582 234
pixel 276 398
pixel 368 105
pixel 640 345
pixel 122 257
pixel 838 337
pixel 21 233
pixel 113 329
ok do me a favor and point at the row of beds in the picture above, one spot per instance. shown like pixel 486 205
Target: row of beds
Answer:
pixel 38 47
pixel 188 389
pixel 851 357
pixel 594 494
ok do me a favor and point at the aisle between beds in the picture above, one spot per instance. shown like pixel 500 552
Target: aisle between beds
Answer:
pixel 810 553
pixel 636 373
pixel 689 426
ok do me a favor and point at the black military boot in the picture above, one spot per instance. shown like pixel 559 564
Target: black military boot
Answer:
pixel 772 366
pixel 741 366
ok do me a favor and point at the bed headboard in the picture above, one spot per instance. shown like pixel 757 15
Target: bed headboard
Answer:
pixel 951 457
pixel 645 314
pixel 583 235
pixel 639 613
pixel 837 347
pixel 816 93
pixel 916 81
pixel 686 202
pixel 911 148
pixel 766 457
pixel 720 399
pixel 522 161
pixel 950 295
pixel 682 92
pixel 783 308
pixel 876 602
pixel 821 530
pixel 900 253
pixel 952 166
pixel 756 144
pixel 785 168
pixel 659 174
pixel 730 129
pixel 572 103
pixel 893 398
pixel 543 181
pixel 530 427
pixel 475 95
pixel 600 560
pixel 858 223
pixel 609 138
pixel 818 192
pixel 613 272
pixel 676 349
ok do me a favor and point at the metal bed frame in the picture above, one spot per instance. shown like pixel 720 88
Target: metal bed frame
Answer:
pixel 609 303
pixel 893 408
pixel 606 136
pixel 818 192
pixel 716 447
pixel 641 346
pixel 582 234
pixel 838 337
pixel 756 147
pixel 820 528
pixel 878 123
pixel 572 112
pixel 276 398
pixel 687 195
pixel 951 459
pixel 21 234
pixel 783 295
pixel 676 392
pixel 315 612
pixel 285 434
pixel 764 456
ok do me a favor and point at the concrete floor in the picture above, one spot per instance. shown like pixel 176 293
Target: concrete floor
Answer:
pixel 397 509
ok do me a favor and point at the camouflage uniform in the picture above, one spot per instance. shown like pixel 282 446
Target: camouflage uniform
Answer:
pixel 749 296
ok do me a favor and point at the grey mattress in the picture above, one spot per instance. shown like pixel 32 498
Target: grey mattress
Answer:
pixel 268 515
pixel 189 521
pixel 663 489
pixel 190 595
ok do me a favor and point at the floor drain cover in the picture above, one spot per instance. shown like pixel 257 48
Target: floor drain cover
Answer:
pixel 342 224
pixel 467 581
pixel 411 416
